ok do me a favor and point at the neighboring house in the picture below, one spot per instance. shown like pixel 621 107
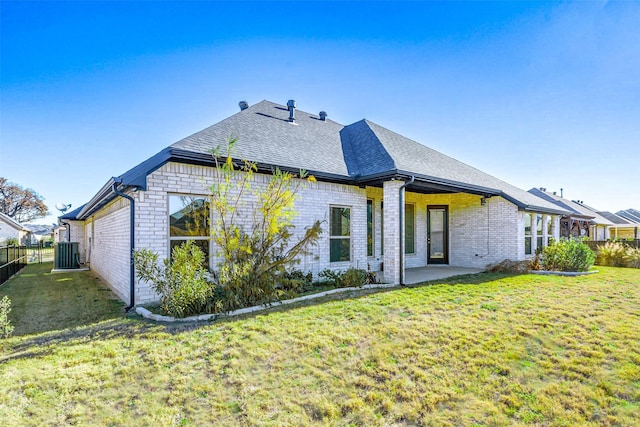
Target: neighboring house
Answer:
pixel 38 233
pixel 580 221
pixel 622 228
pixel 632 215
pixel 11 229
pixel 389 203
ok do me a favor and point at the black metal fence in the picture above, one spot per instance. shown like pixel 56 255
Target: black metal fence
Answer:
pixel 632 243
pixel 40 252
pixel 12 260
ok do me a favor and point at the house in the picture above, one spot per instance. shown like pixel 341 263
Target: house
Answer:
pixel 622 228
pixel 580 221
pixel 389 203
pixel 11 229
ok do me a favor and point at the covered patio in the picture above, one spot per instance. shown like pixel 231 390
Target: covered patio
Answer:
pixel 435 272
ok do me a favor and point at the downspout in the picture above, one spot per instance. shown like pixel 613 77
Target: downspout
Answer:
pixel 132 228
pixel 401 234
pixel 68 226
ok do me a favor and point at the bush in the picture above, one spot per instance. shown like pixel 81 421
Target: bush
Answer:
pixel 12 241
pixel 632 258
pixel 5 324
pixel 567 255
pixel 182 283
pixel 350 278
pixel 295 281
pixel 611 254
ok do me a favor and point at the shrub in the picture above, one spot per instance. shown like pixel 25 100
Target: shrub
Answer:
pixel 295 281
pixel 182 283
pixel 611 254
pixel 255 246
pixel 632 257
pixel 567 255
pixel 509 267
pixel 350 278
pixel 5 324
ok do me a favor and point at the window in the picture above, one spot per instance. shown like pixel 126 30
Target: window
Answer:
pixel 381 228
pixel 189 220
pixel 539 232
pixel 549 230
pixel 369 227
pixel 409 229
pixel 340 234
pixel 527 234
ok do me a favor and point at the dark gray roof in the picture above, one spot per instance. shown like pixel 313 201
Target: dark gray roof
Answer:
pixel 575 209
pixel 360 153
pixel 615 219
pixel 632 215
pixel 265 135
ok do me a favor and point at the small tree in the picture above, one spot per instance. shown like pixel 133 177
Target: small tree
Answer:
pixel 254 248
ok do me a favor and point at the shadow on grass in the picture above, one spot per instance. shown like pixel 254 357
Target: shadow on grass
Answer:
pixel 43 302
pixel 49 310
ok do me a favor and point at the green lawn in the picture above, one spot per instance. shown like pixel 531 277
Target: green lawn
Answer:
pixel 480 350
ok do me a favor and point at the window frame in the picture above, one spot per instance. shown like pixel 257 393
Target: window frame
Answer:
pixel 413 218
pixel 528 249
pixel 333 238
pixel 206 237
pixel 371 227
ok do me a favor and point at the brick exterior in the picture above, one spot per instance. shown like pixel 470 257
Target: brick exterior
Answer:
pixel 478 234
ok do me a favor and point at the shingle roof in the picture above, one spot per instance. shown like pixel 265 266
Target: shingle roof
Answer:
pixel 265 135
pixel 353 154
pixel 576 209
pixel 631 215
pixel 615 219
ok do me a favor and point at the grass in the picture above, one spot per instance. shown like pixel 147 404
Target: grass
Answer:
pixel 488 349
pixel 41 301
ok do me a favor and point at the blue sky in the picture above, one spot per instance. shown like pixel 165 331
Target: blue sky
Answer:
pixel 543 94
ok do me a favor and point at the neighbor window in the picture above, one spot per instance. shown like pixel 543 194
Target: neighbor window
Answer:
pixel 549 230
pixel 539 232
pixel 189 220
pixel 409 229
pixel 527 234
pixel 340 234
pixel 369 227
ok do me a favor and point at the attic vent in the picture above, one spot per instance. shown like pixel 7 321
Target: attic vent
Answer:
pixel 291 104
pixel 243 105
pixel 543 189
pixel 323 115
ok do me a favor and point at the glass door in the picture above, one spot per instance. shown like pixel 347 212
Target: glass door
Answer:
pixel 437 235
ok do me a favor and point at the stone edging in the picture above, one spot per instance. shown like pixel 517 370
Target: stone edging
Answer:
pixel 160 318
pixel 563 273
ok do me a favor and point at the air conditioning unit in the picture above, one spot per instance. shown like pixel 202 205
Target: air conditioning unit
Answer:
pixel 67 255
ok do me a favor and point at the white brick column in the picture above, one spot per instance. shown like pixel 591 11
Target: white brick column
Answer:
pixel 545 228
pixel 391 197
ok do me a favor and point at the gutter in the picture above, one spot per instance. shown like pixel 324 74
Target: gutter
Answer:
pixel 132 228
pixel 401 217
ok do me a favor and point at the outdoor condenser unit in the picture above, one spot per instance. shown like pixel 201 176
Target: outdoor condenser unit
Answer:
pixel 66 255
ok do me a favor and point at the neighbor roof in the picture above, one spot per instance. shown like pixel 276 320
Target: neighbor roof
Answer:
pixel 362 153
pixel 575 209
pixel 632 215
pixel 12 222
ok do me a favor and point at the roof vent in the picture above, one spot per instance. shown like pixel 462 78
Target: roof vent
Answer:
pixel 243 105
pixel 291 104
pixel 323 115
pixel 544 190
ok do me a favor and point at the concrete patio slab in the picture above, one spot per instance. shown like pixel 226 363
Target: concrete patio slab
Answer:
pixel 436 272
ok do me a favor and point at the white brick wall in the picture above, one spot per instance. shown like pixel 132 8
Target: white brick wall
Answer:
pixel 478 235
pixel 109 251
